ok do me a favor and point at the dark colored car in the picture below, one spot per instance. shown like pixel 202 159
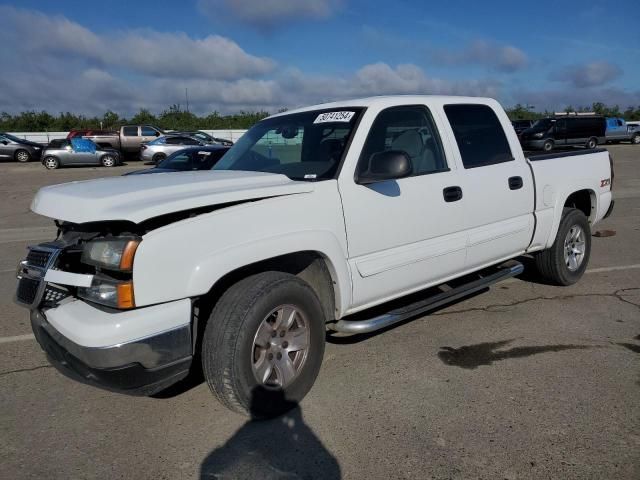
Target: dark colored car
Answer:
pixel 577 130
pixel 188 159
pixel 521 125
pixel 19 149
pixel 205 137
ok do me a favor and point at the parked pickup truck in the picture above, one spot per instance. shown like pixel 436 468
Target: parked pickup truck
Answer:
pixel 313 218
pixel 620 131
pixel 128 139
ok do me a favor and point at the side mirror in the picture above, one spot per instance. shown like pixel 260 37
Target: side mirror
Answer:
pixel 4 142
pixel 387 165
pixel 157 134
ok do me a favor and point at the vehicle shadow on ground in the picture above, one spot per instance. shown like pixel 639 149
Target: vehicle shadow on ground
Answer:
pixel 473 356
pixel 280 448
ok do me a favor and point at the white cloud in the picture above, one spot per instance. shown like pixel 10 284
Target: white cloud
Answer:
pixel 503 58
pixel 141 51
pixel 269 14
pixel 594 74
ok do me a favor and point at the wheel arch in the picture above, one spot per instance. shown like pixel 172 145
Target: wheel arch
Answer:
pixel 584 199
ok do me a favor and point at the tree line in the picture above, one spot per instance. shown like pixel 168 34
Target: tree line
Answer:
pixel 176 118
pixel 526 112
pixel 173 118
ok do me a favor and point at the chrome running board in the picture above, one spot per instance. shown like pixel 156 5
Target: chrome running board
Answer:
pixel 447 295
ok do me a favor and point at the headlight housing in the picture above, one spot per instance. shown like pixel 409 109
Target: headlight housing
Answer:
pixel 111 253
pixel 109 292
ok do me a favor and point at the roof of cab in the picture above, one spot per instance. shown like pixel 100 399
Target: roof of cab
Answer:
pixel 391 100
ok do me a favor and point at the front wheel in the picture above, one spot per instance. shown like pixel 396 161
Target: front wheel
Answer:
pixel 51 163
pixel 636 139
pixel 592 143
pixel 108 161
pixel 263 344
pixel 566 260
pixel 547 146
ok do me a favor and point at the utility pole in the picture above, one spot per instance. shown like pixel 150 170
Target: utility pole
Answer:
pixel 186 96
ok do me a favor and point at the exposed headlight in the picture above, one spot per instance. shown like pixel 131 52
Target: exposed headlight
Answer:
pixel 37 148
pixel 538 135
pixel 109 292
pixel 113 254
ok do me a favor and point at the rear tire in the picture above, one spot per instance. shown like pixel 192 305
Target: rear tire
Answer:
pixel 158 157
pixel 592 143
pixel 566 260
pixel 51 163
pixel 263 345
pixel 547 146
pixel 635 140
pixel 22 156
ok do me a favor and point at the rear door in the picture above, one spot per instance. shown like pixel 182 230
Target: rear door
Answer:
pixel 130 138
pixel 496 183
pixel 560 131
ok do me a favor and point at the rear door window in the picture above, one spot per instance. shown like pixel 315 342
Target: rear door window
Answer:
pixel 130 131
pixel 479 135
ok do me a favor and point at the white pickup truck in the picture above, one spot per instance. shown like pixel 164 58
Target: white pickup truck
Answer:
pixel 312 219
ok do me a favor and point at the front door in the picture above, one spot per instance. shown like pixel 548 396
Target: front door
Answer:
pixel 406 234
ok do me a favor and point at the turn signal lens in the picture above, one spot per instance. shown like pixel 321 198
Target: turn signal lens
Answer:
pixel 125 295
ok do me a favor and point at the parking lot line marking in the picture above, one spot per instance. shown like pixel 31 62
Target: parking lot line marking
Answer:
pixel 613 269
pixel 8 270
pixel 17 338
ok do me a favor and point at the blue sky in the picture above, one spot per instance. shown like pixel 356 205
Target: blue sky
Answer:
pixel 237 55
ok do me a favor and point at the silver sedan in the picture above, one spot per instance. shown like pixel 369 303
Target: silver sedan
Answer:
pixel 78 151
pixel 162 147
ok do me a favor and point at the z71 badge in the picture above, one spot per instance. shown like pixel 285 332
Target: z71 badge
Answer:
pixel 605 182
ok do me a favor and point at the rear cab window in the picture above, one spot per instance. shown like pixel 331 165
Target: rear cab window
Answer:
pixel 479 135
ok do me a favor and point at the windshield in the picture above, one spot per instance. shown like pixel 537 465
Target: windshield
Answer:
pixel 542 124
pixel 302 146
pixel 12 138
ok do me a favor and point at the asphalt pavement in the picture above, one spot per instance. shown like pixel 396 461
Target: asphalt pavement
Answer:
pixel 523 381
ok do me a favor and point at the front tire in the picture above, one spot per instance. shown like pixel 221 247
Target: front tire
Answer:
pixel 263 344
pixel 547 146
pixel 108 161
pixel 51 163
pixel 22 156
pixel 635 140
pixel 592 143
pixel 566 260
pixel 158 157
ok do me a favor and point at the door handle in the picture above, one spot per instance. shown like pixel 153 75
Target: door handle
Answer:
pixel 452 194
pixel 515 183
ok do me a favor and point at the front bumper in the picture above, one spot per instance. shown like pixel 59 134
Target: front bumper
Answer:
pixel 140 367
pixel 533 144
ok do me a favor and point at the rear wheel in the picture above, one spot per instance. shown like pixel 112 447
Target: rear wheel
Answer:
pixel 263 344
pixel 547 146
pixel 108 160
pixel 636 139
pixel 592 143
pixel 566 260
pixel 22 156
pixel 51 163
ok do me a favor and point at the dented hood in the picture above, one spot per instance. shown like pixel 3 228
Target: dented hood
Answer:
pixel 139 197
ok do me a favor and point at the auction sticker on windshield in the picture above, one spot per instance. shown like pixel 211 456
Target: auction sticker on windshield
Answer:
pixel 334 117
